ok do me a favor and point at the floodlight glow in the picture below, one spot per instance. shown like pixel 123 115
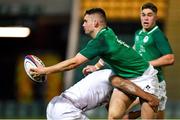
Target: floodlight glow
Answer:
pixel 14 32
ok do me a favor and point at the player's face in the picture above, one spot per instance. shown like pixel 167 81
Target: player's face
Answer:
pixel 88 24
pixel 148 19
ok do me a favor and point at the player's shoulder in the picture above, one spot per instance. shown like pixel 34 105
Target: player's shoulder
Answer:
pixel 107 32
pixel 158 33
pixel 156 30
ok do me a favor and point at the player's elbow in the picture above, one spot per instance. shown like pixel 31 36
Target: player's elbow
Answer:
pixel 76 61
pixel 80 59
pixel 171 59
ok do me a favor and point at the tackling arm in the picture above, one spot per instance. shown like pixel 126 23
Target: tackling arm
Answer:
pixel 131 88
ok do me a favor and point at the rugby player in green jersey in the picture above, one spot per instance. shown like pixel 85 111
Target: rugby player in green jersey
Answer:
pixel 124 61
pixel 151 43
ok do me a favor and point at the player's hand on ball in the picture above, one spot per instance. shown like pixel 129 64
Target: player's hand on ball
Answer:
pixel 35 68
pixel 37 72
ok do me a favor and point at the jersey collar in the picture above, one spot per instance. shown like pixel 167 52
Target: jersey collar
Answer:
pixel 152 30
pixel 102 30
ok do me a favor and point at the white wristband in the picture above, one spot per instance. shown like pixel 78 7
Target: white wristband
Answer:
pixel 101 63
pixel 96 67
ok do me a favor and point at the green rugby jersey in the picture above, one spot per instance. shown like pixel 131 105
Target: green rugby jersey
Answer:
pixel 152 45
pixel 123 60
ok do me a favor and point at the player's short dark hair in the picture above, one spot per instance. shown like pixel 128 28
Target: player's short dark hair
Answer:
pixel 99 11
pixel 149 5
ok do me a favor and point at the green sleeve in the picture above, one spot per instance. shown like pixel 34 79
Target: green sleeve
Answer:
pixel 162 43
pixel 96 47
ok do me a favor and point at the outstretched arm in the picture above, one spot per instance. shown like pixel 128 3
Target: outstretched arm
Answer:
pixel 60 67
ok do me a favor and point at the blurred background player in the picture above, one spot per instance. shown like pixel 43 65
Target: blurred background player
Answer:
pixel 106 45
pixel 153 46
pixel 151 43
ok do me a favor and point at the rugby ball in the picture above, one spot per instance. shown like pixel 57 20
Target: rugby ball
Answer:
pixel 31 61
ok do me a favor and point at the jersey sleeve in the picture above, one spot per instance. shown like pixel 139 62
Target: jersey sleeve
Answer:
pixel 94 48
pixel 162 43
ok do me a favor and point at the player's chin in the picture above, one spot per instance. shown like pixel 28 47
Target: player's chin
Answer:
pixel 146 26
pixel 86 31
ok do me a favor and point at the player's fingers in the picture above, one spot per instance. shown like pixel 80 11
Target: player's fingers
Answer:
pixel 155 109
pixel 84 69
pixel 91 68
pixel 86 72
pixel 87 69
pixel 154 106
pixel 35 76
pixel 32 70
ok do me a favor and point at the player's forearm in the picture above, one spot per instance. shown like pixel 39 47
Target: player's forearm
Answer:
pixel 62 66
pixel 129 87
pixel 163 61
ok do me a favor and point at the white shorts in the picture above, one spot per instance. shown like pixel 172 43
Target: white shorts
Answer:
pixel 60 108
pixel 148 81
pixel 162 95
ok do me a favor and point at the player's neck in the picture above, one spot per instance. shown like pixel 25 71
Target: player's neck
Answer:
pixel 96 31
pixel 101 29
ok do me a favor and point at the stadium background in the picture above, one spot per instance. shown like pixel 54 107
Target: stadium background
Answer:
pixel 56 34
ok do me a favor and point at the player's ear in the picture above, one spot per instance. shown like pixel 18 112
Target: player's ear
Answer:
pixel 96 23
pixel 156 17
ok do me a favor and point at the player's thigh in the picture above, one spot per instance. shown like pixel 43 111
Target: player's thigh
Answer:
pixel 133 105
pixel 119 103
pixel 146 111
pixel 160 114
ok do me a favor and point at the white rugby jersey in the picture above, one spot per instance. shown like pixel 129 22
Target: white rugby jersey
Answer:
pixel 92 91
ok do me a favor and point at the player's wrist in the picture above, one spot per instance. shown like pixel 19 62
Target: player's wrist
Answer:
pixel 97 68
pixel 101 62
pixel 46 71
